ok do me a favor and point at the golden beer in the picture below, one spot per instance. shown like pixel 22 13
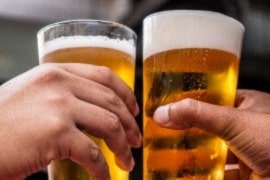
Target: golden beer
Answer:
pixel 119 62
pixel 119 56
pixel 172 72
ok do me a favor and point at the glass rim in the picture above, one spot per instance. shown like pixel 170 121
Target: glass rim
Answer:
pixel 205 13
pixel 85 21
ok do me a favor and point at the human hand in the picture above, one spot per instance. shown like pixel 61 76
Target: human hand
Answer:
pixel 44 110
pixel 244 128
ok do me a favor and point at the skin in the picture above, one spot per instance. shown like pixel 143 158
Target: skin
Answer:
pixel 44 110
pixel 245 128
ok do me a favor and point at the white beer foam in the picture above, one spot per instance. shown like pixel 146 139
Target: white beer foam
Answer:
pixel 191 29
pixel 126 46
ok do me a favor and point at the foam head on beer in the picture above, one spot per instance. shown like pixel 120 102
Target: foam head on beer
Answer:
pixel 192 29
pixel 117 54
pixel 126 46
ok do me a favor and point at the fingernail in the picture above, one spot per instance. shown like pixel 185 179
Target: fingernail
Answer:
pixel 126 165
pixel 161 115
pixel 139 141
pixel 137 110
pixel 132 164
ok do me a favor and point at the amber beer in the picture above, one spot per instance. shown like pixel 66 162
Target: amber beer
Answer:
pixel 119 61
pixel 119 56
pixel 187 54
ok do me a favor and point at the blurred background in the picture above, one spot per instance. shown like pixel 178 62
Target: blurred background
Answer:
pixel 20 21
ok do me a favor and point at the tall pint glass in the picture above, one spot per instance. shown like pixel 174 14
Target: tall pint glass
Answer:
pixel 92 42
pixel 187 54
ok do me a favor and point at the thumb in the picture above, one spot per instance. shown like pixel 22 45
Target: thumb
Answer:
pixel 247 133
pixel 219 120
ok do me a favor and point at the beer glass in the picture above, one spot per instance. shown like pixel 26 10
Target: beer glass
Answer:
pixel 187 54
pixel 92 42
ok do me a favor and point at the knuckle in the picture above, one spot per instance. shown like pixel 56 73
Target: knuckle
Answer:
pixel 115 126
pixel 58 99
pixel 126 154
pixel 188 108
pixel 184 113
pixel 106 73
pixel 96 155
pixel 49 74
pixel 113 99
pixel 191 103
pixel 133 130
pixel 130 98
pixel 195 109
pixel 59 124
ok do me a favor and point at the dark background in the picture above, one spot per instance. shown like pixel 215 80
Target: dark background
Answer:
pixel 255 59
pixel 254 64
